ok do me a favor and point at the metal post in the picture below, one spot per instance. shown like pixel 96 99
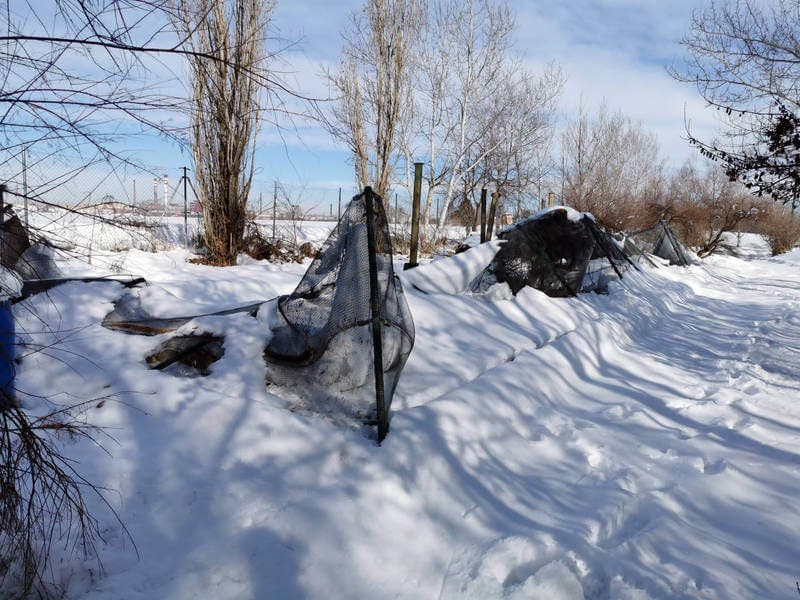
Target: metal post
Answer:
pixel 185 210
pixel 274 208
pixel 25 182
pixel 492 213
pixel 375 310
pixel 134 191
pixel 415 200
pixel 339 211
pixel 482 208
pixel 603 245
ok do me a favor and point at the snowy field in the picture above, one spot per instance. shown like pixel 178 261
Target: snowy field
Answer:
pixel 642 444
pixel 101 239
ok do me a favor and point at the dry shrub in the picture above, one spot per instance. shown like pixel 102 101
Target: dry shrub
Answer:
pixel 258 246
pixel 780 227
pixel 41 500
pixel 624 215
pixel 702 225
pixel 701 206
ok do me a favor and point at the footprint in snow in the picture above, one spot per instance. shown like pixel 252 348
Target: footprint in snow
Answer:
pixel 514 568
pixel 630 521
pixel 715 466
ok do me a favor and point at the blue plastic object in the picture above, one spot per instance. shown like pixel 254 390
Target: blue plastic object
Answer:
pixel 7 370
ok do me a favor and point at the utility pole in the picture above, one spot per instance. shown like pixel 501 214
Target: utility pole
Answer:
pixel 274 208
pixel 25 182
pixel 185 211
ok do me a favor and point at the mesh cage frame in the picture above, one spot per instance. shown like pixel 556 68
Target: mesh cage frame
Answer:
pixel 660 240
pixel 322 338
pixel 550 253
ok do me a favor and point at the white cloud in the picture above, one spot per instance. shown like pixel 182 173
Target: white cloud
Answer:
pixel 617 51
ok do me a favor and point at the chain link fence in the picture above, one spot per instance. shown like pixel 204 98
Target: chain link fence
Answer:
pixel 93 209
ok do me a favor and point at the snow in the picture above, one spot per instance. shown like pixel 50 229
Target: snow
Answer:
pixel 101 242
pixel 10 284
pixel 640 444
pixel 572 215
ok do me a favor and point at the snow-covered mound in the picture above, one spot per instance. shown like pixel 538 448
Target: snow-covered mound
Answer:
pixel 642 444
pixel 451 275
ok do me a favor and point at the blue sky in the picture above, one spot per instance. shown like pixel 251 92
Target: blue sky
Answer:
pixel 610 50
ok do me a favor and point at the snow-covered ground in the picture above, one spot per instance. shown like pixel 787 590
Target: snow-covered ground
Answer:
pixel 99 237
pixel 641 444
pixel 99 240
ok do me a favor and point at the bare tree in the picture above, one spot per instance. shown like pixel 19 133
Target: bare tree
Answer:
pixel 705 205
pixel 467 43
pixel 226 110
pixel 373 86
pixel 744 54
pixel 516 147
pixel 612 167
pixel 744 60
pixel 65 77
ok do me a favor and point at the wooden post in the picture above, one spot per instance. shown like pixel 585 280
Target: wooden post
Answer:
pixel 412 259
pixel 375 310
pixel 483 214
pixel 492 214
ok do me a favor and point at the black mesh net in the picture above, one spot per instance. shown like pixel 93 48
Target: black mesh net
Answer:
pixel 609 260
pixel 28 257
pixel 15 238
pixel 661 241
pixel 558 252
pixel 322 338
